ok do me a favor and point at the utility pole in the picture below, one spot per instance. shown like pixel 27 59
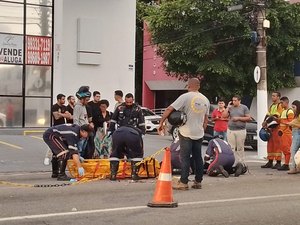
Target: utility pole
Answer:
pixel 262 94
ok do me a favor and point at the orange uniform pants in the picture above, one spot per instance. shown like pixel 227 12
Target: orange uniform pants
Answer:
pixel 273 146
pixel 285 144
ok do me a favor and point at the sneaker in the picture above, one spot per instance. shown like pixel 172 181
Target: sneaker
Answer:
pixel 180 186
pixel 223 171
pixel 47 161
pixel 268 165
pixel 196 185
pixel 239 169
pixel 284 167
pixel 277 165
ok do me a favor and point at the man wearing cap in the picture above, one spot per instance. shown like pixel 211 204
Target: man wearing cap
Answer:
pixel 62 140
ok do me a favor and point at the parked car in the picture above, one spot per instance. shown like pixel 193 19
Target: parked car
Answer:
pixel 151 120
pixel 251 127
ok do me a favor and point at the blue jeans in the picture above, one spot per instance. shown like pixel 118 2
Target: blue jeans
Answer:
pixel 295 144
pixel 190 147
pixel 223 133
pixel 82 146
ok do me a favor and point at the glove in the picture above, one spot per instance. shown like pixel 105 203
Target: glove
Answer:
pixel 81 171
pixel 81 159
pixel 109 133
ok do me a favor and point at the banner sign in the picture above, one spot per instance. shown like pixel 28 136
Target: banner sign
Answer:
pixel 11 49
pixel 38 50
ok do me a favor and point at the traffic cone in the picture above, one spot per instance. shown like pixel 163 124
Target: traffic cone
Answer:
pixel 163 195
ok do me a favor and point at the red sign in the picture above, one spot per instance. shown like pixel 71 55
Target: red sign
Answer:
pixel 38 50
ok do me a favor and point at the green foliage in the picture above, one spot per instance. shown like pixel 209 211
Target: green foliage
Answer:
pixel 201 38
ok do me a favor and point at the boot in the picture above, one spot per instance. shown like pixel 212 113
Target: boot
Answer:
pixel 238 170
pixel 268 165
pixel 62 176
pixel 54 167
pixel 284 167
pixel 277 165
pixel 223 171
pixel 114 166
pixel 134 171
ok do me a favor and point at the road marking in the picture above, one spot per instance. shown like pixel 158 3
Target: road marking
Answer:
pixel 10 145
pixel 38 216
pixel 37 137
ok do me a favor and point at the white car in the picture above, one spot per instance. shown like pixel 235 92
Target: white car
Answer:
pixel 151 120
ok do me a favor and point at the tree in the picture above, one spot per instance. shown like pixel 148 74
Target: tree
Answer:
pixel 201 38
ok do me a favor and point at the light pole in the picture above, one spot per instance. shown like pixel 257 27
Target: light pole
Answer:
pixel 262 94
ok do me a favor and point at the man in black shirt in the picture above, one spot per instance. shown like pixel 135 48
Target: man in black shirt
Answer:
pixel 93 109
pixel 127 139
pixel 59 110
pixel 70 107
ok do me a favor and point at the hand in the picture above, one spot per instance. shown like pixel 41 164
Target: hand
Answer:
pixel 81 159
pixel 109 133
pixel 235 119
pixel 229 104
pixel 80 171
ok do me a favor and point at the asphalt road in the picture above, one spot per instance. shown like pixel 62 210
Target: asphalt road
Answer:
pixel 263 196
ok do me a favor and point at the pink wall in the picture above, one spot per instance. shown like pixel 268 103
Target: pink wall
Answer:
pixel 152 69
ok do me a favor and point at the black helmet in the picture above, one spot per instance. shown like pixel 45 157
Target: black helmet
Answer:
pixel 177 118
pixel 84 91
pixel 264 134
pixel 271 122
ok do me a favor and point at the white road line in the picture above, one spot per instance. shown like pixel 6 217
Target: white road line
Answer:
pixel 10 145
pixel 37 137
pixel 5 219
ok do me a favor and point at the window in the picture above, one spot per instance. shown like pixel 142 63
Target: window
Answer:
pixel 11 111
pixel 37 112
pixel 39 2
pixel 11 17
pixel 38 20
pixel 11 79
pixel 38 81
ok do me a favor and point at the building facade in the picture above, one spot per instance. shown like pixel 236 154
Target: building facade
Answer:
pixel 49 47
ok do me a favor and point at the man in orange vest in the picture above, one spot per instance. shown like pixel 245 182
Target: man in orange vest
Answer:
pixel 285 133
pixel 273 147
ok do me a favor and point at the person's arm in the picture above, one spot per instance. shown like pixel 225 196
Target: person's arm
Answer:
pixel 141 119
pixel 205 122
pixel 114 120
pixel 165 115
pixel 214 116
pixel 226 113
pixel 245 118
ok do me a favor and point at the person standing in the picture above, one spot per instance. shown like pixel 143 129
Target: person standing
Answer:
pixel 104 115
pixel 273 146
pixel 118 98
pixel 221 123
pixel 93 107
pixel 80 117
pixel 196 107
pixel 295 125
pixel 70 107
pixel 128 138
pixel 59 110
pixel 285 133
pixel 238 115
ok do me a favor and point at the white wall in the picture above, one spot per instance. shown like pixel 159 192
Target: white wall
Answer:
pixel 117 29
pixel 292 93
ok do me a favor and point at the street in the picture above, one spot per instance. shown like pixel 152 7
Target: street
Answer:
pixel 262 196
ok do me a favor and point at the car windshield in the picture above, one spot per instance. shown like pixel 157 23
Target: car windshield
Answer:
pixel 148 112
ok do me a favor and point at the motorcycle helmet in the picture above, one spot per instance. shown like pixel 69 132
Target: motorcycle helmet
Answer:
pixel 83 92
pixel 264 134
pixel 271 122
pixel 177 118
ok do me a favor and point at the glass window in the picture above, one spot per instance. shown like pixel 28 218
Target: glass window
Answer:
pixel 38 20
pixel 37 112
pixel 16 0
pixel 39 2
pixel 11 18
pixel 11 111
pixel 38 81
pixel 11 79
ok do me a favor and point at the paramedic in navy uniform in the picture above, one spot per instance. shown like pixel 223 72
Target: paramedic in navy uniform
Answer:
pixel 127 139
pixel 62 140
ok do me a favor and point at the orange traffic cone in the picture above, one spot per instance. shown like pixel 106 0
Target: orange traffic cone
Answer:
pixel 163 195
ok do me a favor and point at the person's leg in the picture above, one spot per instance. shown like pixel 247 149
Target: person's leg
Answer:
pixel 294 148
pixel 117 151
pixel 198 161
pixel 185 153
pixel 231 138
pixel 240 141
pixel 286 142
